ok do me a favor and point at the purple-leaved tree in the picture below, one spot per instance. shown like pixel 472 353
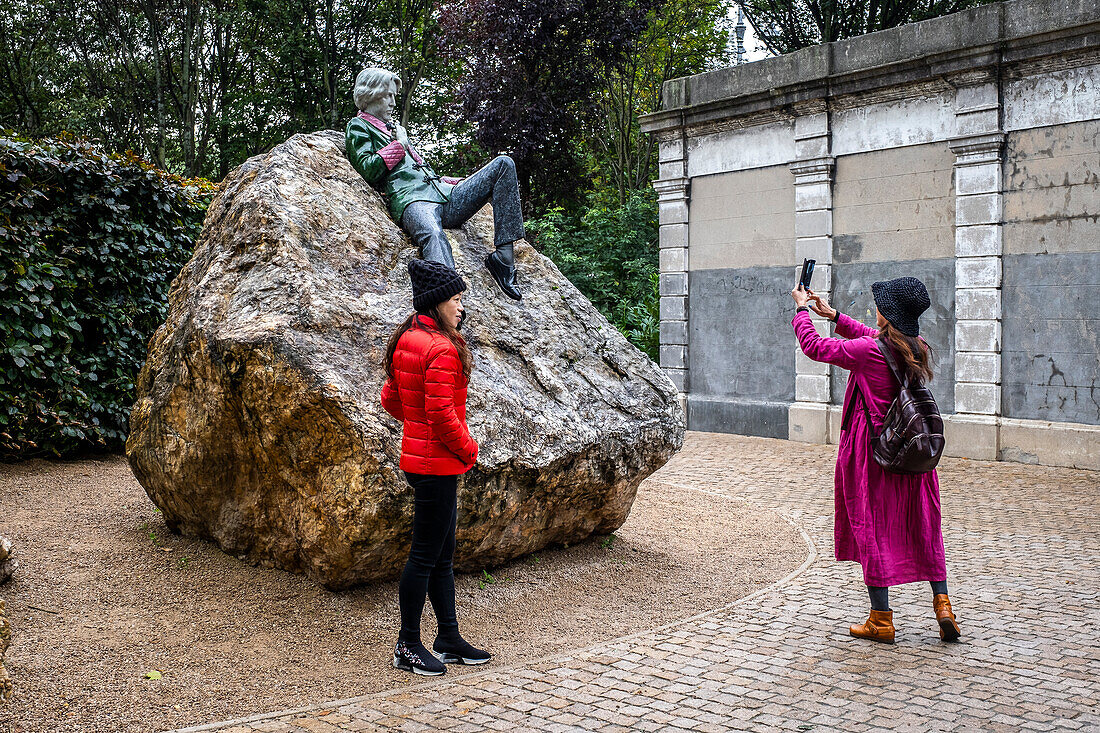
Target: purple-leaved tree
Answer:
pixel 533 70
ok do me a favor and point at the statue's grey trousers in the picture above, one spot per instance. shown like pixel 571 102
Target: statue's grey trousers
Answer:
pixel 496 182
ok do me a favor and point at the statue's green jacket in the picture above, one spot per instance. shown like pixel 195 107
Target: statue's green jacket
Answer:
pixel 407 182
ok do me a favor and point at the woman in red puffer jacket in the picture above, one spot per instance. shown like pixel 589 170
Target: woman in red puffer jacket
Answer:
pixel 428 367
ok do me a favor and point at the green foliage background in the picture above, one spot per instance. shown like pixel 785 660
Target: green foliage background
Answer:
pixel 89 244
pixel 610 254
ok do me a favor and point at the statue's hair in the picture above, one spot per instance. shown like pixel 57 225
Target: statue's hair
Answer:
pixel 371 84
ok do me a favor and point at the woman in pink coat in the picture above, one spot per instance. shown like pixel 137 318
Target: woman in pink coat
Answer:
pixel 887 522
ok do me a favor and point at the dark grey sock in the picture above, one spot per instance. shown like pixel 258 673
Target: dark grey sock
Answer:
pixel 880 598
pixel 939 587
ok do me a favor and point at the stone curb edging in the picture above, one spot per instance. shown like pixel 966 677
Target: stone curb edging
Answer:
pixel 811 558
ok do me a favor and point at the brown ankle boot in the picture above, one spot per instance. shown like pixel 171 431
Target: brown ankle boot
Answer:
pixel 878 627
pixel 945 617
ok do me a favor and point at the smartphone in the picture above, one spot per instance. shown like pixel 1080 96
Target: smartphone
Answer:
pixel 807 273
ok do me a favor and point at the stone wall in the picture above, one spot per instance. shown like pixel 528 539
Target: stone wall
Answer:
pixel 740 264
pixel 894 215
pixel 1052 274
pixel 961 150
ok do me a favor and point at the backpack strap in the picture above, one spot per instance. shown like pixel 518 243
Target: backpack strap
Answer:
pixel 872 434
pixel 888 354
pixel 890 362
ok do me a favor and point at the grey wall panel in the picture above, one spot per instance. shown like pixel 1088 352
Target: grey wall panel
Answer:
pixel 893 205
pixel 742 219
pixel 744 417
pixel 1051 337
pixel 1052 189
pixel 852 295
pixel 741 361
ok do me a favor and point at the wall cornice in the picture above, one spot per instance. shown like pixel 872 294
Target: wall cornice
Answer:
pixel 1016 38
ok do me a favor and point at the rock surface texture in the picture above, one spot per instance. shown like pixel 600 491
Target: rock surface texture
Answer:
pixel 258 423
pixel 8 563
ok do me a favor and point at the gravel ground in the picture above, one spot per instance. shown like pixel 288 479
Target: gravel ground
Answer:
pixel 105 594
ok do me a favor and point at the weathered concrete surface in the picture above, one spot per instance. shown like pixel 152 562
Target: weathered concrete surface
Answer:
pixel 1051 347
pixel 742 350
pixel 894 205
pixel 258 426
pixel 903 55
pixel 962 150
pixel 742 219
pixel 1052 189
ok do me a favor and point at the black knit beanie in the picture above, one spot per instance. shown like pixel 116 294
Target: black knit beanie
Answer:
pixel 433 283
pixel 901 301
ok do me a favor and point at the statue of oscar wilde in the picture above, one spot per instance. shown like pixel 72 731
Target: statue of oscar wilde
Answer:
pixel 419 200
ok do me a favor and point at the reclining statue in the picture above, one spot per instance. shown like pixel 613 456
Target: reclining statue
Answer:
pixel 423 203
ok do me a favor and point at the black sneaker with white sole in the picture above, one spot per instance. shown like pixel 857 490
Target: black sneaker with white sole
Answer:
pixel 456 651
pixel 416 659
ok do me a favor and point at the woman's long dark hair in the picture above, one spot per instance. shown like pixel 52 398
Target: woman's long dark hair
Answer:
pixel 914 354
pixel 444 328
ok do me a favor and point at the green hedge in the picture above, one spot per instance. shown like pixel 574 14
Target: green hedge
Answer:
pixel 89 244
pixel 610 254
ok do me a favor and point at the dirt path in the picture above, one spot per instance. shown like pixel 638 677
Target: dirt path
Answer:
pixel 105 594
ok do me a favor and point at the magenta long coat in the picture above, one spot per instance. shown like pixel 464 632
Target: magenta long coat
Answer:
pixel 887 522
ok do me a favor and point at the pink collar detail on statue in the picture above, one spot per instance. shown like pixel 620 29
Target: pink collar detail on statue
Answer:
pixel 371 119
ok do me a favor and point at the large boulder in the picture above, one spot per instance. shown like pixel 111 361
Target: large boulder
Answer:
pixel 8 563
pixel 258 424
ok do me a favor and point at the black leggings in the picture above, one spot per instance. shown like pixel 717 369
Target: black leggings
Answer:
pixel 880 596
pixel 429 569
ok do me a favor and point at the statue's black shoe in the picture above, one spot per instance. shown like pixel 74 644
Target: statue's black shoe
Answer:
pixel 504 274
pixel 416 659
pixel 457 651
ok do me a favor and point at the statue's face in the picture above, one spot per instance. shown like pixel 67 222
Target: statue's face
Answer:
pixel 383 104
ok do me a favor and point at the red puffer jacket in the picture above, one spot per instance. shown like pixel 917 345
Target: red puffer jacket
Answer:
pixel 428 394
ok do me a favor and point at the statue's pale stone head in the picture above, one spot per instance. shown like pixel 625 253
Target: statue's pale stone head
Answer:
pixel 376 91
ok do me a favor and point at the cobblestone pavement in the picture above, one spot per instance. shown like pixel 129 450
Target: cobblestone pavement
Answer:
pixel 1023 547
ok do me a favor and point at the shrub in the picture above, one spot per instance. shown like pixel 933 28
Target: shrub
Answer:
pixel 89 243
pixel 610 254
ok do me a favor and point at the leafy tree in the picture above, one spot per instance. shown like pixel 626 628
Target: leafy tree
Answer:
pixel 29 56
pixel 610 254
pixel 200 85
pixel 788 25
pixel 680 38
pixel 609 247
pixel 532 68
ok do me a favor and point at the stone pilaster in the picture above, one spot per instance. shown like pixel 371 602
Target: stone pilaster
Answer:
pixel 978 267
pixel 813 229
pixel 673 190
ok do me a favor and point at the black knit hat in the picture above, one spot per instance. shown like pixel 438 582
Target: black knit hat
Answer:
pixel 433 283
pixel 901 301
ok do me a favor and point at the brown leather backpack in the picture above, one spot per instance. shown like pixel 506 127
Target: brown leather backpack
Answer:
pixel 911 439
